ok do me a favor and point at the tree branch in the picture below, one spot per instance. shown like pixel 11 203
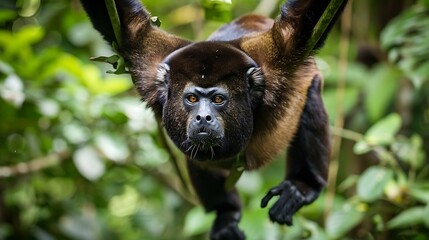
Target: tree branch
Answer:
pixel 34 165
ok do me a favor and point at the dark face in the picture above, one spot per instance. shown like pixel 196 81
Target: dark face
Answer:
pixel 208 95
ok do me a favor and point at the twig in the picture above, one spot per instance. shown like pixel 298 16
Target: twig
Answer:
pixel 34 165
pixel 174 159
pixel 114 19
pixel 322 24
pixel 339 120
pixel 169 183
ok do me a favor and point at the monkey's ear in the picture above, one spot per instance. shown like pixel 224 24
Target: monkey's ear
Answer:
pixel 256 84
pixel 162 79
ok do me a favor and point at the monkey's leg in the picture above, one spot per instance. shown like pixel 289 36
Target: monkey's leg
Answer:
pixel 210 188
pixel 307 161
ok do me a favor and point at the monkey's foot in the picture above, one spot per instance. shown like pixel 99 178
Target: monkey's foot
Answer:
pixel 291 199
pixel 226 227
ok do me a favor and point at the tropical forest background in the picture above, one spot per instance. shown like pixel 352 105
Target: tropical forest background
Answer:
pixel 82 158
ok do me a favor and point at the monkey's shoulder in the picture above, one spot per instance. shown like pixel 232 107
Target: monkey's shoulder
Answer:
pixel 244 25
pixel 277 119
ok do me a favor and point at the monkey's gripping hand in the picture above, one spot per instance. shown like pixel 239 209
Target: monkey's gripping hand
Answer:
pixel 226 227
pixel 291 199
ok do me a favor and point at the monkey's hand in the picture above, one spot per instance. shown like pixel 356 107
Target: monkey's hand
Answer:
pixel 226 227
pixel 291 198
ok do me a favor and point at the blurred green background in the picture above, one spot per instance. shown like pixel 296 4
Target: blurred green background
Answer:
pixel 82 158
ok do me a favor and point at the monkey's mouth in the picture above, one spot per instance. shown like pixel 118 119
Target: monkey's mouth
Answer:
pixel 202 142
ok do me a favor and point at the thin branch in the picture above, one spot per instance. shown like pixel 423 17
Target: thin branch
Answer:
pixel 34 165
pixel 174 159
pixel 170 184
pixel 323 24
pixel 339 120
pixel 114 19
pixel 346 134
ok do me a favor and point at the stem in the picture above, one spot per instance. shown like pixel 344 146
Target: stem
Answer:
pixel 114 19
pixel 322 24
pixel 339 120
pixel 174 159
pixel 347 134
pixel 34 165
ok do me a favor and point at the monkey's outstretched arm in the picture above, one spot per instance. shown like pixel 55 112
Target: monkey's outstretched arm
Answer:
pixel 143 47
pixel 307 164
pixel 284 46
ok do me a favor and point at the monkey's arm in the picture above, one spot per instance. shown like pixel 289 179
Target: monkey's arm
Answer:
pixel 284 45
pixel 307 163
pixel 143 45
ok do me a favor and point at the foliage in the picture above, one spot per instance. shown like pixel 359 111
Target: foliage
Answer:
pixel 82 158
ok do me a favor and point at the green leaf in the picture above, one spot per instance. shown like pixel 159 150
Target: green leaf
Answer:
pixel 342 221
pixel 7 15
pixel 426 215
pixel 410 150
pixel 155 21
pixel 112 59
pixel 217 10
pixel 361 147
pixel 380 89
pixel 330 99
pixel 409 217
pixel 113 146
pixel 197 221
pixel 419 193
pixel 383 132
pixel 126 203
pixel 88 163
pixel 372 183
pixel 403 38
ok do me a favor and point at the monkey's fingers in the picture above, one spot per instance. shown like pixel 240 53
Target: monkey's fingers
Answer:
pixel 275 191
pixel 289 202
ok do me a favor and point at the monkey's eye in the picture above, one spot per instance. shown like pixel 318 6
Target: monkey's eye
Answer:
pixel 192 98
pixel 218 99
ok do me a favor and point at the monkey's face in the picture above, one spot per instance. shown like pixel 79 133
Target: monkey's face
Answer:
pixel 208 94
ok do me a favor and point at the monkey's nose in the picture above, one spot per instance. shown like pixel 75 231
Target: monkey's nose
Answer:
pixel 203 119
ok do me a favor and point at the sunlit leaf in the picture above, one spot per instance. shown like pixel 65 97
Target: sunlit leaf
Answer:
pixel 383 131
pixel 372 183
pixel 197 221
pixel 361 147
pixel 76 133
pixel 218 10
pixel 89 163
pixel 49 107
pixel 124 204
pixel 113 146
pixel 408 217
pixel 115 85
pixel 12 90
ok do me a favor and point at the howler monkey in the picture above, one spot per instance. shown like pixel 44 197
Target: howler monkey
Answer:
pixel 248 92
